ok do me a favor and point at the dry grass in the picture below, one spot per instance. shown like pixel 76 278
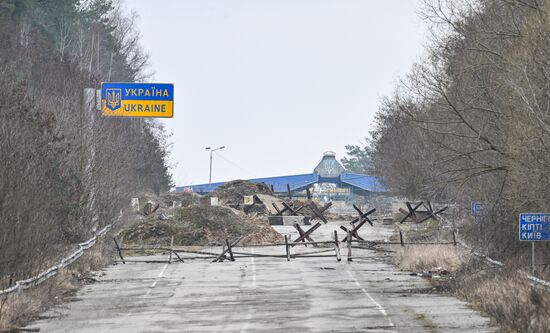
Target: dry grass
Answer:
pixel 507 297
pixel 503 294
pixel 429 257
pixel 19 308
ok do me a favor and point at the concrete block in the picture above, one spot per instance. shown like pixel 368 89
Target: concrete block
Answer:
pixel 288 220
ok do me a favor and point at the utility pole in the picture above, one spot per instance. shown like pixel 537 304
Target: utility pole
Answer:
pixel 211 151
pixel 91 105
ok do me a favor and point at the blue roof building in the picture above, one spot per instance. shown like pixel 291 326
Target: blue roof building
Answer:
pixel 329 170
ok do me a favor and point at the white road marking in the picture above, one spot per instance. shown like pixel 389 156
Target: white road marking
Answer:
pixel 250 308
pixel 157 279
pixel 378 306
pixel 141 301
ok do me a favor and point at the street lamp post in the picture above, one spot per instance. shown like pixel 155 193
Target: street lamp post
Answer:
pixel 211 151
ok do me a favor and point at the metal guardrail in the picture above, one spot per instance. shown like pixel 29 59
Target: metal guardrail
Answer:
pixel 538 283
pixel 52 271
pixel 535 281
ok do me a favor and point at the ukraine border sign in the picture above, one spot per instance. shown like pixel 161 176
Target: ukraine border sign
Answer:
pixel 137 100
pixel 534 227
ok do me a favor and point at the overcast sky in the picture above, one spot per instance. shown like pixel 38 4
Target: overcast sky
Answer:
pixel 278 82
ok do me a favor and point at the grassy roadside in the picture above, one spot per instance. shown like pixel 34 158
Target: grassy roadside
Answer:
pixel 502 293
pixel 19 308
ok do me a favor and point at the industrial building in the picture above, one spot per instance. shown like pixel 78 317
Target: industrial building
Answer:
pixel 328 171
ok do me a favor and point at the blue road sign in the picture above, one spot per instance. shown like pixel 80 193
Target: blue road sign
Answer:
pixel 534 227
pixel 481 211
pixel 475 208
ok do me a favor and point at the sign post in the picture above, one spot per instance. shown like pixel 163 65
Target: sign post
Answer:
pixel 155 100
pixel 480 211
pixel 534 227
pixel 533 258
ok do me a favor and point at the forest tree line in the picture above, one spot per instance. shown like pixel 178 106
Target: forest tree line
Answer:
pixel 65 170
pixel 471 121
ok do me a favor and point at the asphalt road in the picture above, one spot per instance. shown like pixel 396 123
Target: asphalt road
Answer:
pixel 264 295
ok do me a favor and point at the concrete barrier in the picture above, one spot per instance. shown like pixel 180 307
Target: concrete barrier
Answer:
pixel 288 220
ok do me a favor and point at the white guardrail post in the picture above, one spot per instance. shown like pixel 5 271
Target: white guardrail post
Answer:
pixel 52 271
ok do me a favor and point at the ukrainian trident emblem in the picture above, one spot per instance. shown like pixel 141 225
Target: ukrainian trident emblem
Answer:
pixel 113 100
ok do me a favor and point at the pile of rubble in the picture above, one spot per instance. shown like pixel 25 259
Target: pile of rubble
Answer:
pixel 198 225
pixel 193 219
pixel 181 199
pixel 234 192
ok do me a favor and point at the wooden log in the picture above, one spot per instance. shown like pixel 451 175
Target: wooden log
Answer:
pixel 143 248
pixel 280 212
pixel 307 233
pixel 401 239
pixel 197 252
pixel 177 255
pixel 119 251
pixel 357 210
pixel 297 210
pixel 322 210
pixel 239 254
pixel 422 243
pixel 299 243
pixel 302 233
pixel 287 249
pixel 317 212
pixel 289 208
pixel 364 216
pixel 171 249
pixel 454 237
pixel 357 227
pixel 315 252
pixel 337 246
pixel 199 257
pixel 314 256
pixel 151 261
pixel 229 250
pixel 411 212
pixel 276 209
pixel 353 231
pixel 225 250
pixel 349 246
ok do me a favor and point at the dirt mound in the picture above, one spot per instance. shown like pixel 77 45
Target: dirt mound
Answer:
pixel 263 233
pixel 234 192
pixel 180 199
pixel 199 225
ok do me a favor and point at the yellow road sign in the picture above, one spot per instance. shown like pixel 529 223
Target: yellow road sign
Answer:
pixel 154 100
